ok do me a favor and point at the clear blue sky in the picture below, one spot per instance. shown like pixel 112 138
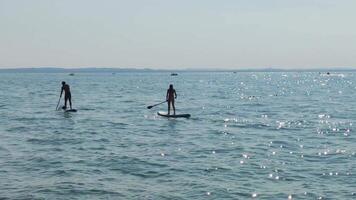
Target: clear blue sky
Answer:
pixel 178 34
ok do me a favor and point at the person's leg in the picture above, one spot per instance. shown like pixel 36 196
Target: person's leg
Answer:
pixel 65 102
pixel 174 108
pixel 169 106
pixel 70 102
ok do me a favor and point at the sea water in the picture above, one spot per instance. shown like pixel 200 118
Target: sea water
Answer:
pixel 256 135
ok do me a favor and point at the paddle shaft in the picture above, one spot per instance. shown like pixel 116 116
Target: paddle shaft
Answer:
pixel 149 107
pixel 59 100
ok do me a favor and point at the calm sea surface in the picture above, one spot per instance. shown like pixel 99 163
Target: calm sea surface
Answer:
pixel 251 136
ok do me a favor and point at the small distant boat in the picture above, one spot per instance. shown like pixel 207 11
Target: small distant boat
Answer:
pixel 71 74
pixel 328 74
pixel 174 74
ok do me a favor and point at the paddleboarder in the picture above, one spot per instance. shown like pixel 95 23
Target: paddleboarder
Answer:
pixel 67 95
pixel 171 95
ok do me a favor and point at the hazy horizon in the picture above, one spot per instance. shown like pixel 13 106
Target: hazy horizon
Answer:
pixel 158 34
pixel 217 69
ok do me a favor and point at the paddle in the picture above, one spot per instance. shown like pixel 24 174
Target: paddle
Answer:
pixel 59 100
pixel 149 107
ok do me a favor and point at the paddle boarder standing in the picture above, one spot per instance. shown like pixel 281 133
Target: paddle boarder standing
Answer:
pixel 171 95
pixel 67 95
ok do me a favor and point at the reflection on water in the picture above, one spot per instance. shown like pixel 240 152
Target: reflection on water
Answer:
pixel 251 135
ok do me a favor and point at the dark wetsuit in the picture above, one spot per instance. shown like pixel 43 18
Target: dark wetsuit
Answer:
pixel 67 95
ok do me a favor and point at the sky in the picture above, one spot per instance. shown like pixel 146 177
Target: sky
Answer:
pixel 178 34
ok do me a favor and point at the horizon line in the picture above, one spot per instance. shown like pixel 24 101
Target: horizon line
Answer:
pixel 52 69
pixel 183 69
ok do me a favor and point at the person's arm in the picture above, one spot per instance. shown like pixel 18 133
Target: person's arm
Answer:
pixel 175 94
pixel 167 95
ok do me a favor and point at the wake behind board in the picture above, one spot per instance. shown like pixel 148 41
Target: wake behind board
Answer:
pixel 164 114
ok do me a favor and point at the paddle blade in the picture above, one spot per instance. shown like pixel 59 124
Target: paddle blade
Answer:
pixel 149 107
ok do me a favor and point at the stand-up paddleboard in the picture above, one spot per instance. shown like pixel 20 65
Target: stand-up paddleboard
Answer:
pixel 164 114
pixel 71 110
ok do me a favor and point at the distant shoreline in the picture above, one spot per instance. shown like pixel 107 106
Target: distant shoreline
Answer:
pixel 118 70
